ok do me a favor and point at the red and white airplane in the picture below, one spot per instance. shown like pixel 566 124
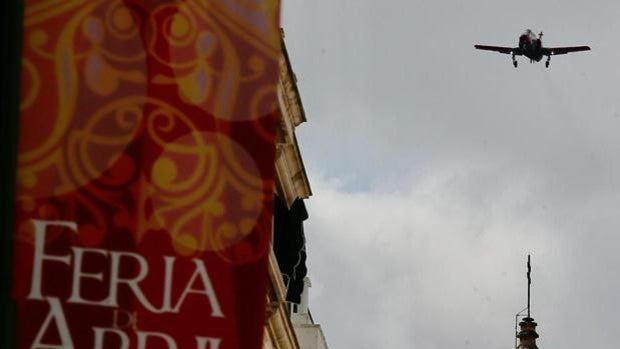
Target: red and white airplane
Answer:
pixel 530 46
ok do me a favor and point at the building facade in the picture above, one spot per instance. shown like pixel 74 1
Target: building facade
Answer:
pixel 289 323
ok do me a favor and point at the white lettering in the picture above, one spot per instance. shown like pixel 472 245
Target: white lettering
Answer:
pixel 100 333
pixel 58 316
pixel 78 252
pixel 201 271
pixel 208 342
pixel 143 337
pixel 40 227
pixel 115 280
pixel 131 319
pixel 167 301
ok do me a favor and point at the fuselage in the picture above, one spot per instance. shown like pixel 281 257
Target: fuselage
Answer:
pixel 531 45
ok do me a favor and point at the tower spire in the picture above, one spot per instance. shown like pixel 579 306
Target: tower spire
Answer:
pixel 527 336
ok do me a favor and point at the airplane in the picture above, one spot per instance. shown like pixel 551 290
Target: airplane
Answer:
pixel 530 46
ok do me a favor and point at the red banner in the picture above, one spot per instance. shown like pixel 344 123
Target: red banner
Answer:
pixel 145 173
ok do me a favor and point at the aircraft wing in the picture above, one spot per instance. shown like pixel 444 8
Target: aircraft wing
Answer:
pixel 564 50
pixel 500 49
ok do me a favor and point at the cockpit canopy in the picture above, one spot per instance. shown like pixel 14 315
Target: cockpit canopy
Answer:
pixel 529 33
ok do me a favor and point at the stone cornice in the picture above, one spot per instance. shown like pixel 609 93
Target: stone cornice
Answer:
pixel 288 82
pixel 292 179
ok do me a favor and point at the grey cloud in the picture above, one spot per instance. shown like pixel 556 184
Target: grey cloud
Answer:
pixel 436 168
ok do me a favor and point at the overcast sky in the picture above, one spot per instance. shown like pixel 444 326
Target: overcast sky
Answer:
pixel 437 168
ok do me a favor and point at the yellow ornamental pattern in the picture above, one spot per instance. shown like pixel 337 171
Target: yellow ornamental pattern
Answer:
pixel 98 82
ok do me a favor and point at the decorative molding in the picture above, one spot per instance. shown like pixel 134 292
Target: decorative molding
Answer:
pixel 290 170
pixel 288 83
pixel 278 325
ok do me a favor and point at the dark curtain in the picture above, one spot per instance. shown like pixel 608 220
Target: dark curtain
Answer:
pixel 289 244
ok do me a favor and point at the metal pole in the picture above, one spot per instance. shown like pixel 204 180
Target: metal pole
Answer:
pixel 529 282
